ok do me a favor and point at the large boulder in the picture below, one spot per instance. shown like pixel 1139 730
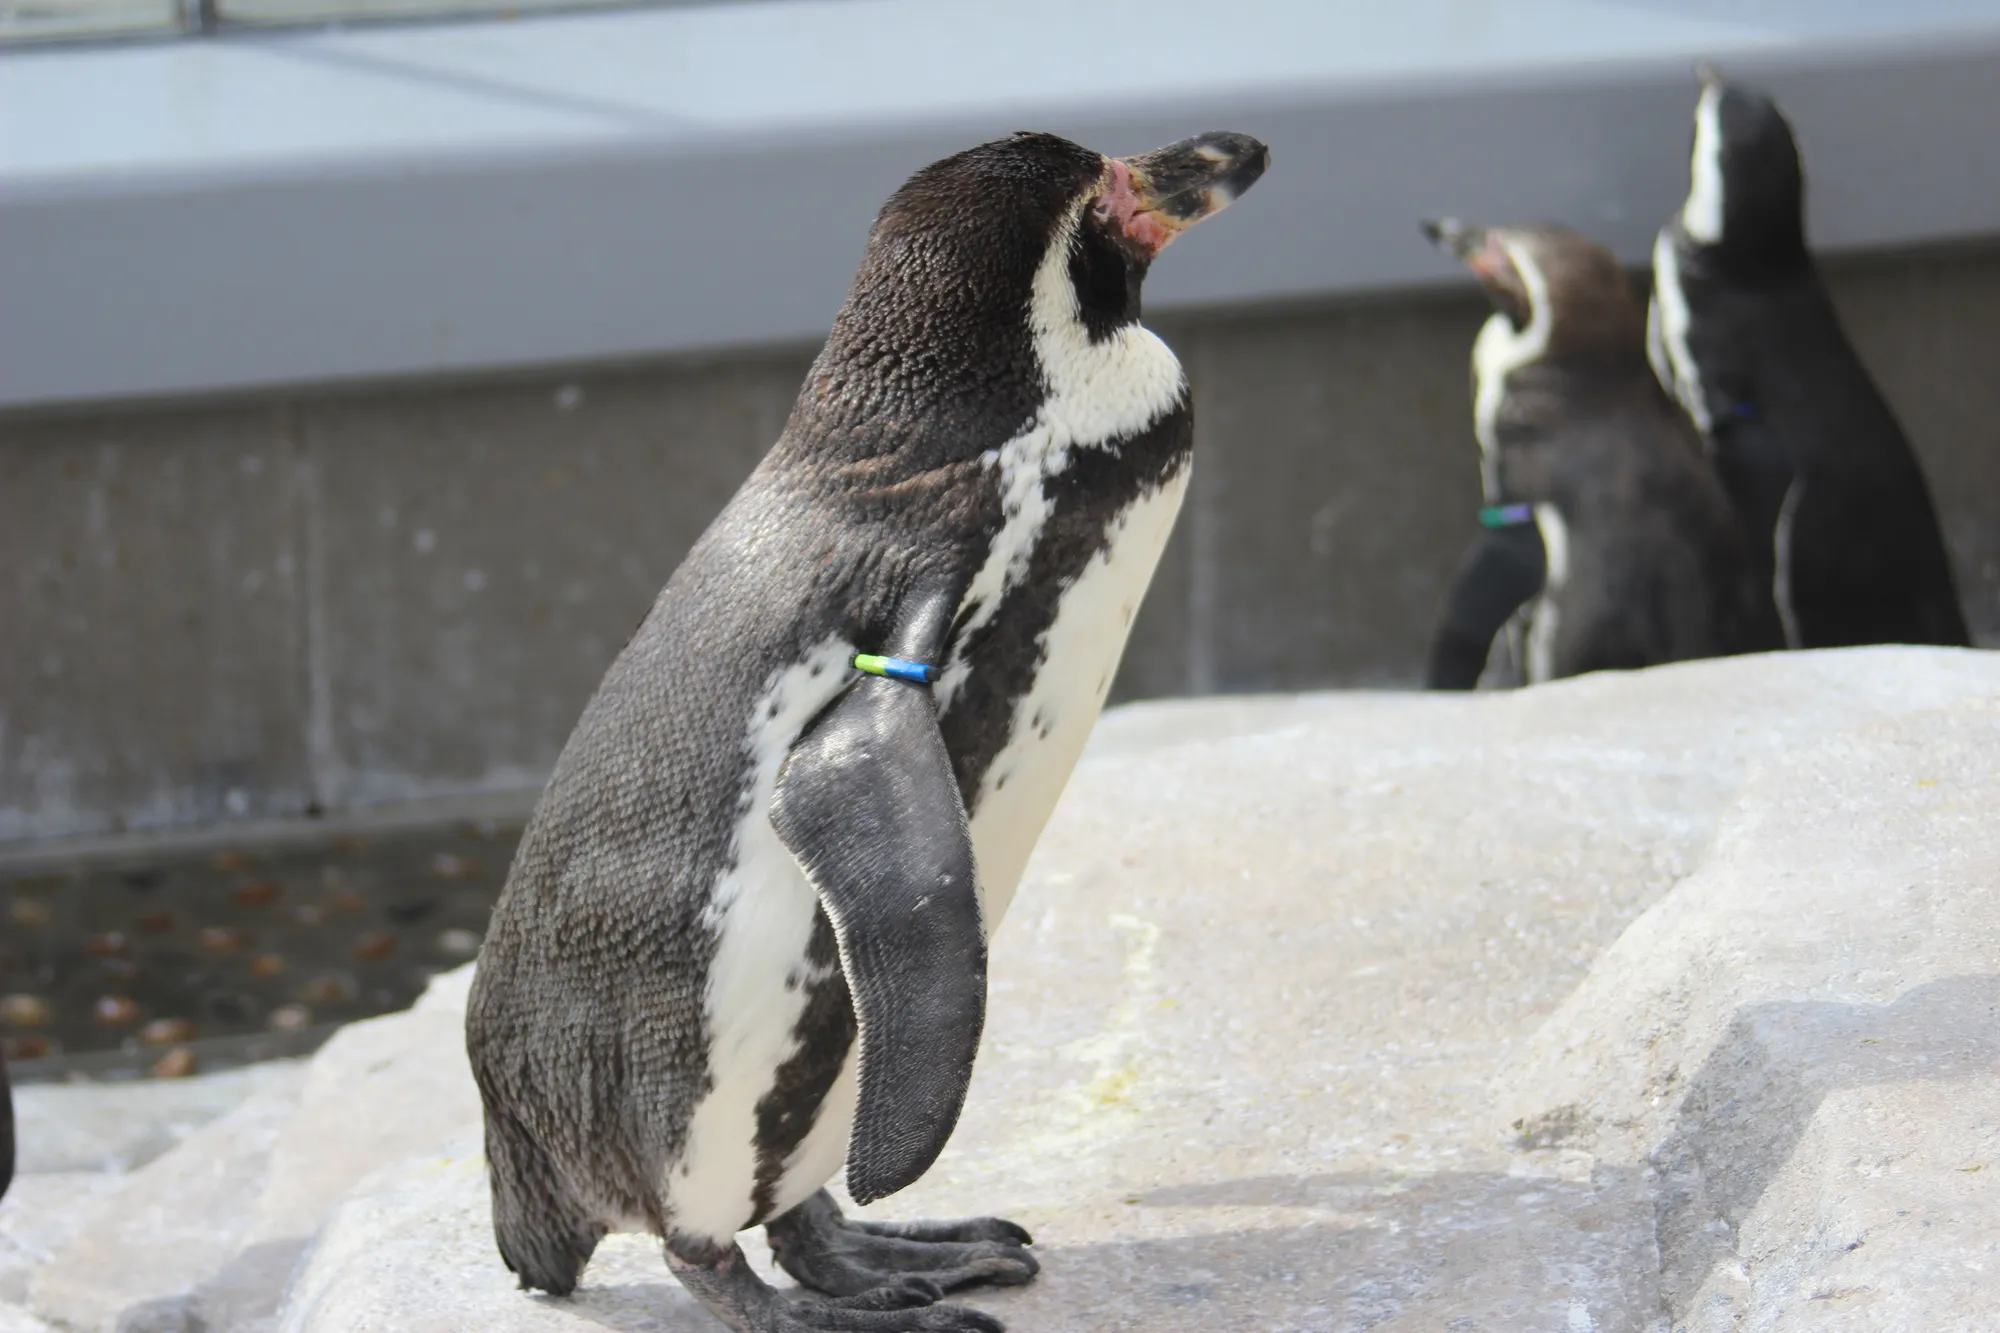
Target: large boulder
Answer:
pixel 1272 998
pixel 1803 1042
pixel 137 1263
pixel 204 1238
pixel 81 1143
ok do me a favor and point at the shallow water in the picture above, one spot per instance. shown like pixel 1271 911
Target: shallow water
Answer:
pixel 186 961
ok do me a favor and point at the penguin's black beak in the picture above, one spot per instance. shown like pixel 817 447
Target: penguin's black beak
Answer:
pixel 1484 251
pixel 1154 197
pixel 1455 238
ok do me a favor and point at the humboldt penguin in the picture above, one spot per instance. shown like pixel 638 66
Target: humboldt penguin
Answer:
pixel 1844 538
pixel 744 939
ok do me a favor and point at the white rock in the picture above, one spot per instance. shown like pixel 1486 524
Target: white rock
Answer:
pixel 40 1216
pixel 378 1091
pixel 123 1126
pixel 1249 1009
pixel 1804 1039
pixel 448 992
pixel 412 1250
pixel 13 1319
pixel 138 1260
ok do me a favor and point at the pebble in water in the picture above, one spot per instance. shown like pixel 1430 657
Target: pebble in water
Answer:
pixel 28 912
pixel 458 943
pixel 306 914
pixel 261 894
pixel 231 861
pixel 166 1032
pixel 329 989
pixel 220 939
pixel 374 947
pixel 154 923
pixel 267 965
pixel 25 1011
pixel 27 1046
pixel 105 945
pixel 290 1018
pixel 177 1063
pixel 115 1011
pixel 449 865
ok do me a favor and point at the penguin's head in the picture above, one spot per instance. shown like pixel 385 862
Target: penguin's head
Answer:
pixel 940 321
pixel 1555 292
pixel 989 215
pixel 1746 189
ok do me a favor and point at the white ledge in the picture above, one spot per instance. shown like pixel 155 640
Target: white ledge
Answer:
pixel 262 210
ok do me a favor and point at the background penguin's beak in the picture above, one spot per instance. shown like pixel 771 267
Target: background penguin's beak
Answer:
pixel 1482 250
pixel 1455 238
pixel 1154 197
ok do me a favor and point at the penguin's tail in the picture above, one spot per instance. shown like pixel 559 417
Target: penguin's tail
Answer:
pixel 545 1234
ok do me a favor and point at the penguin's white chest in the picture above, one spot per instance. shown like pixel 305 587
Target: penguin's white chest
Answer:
pixel 1053 718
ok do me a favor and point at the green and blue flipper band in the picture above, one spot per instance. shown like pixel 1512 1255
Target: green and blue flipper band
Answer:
pixel 1506 516
pixel 895 668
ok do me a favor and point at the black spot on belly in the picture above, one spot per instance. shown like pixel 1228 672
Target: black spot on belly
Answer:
pixel 825 1031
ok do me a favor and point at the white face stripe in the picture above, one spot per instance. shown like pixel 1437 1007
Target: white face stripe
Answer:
pixel 1701 215
pixel 1781 573
pixel 762 911
pixel 1667 321
pixel 1093 393
pixel 1499 351
pixel 1547 617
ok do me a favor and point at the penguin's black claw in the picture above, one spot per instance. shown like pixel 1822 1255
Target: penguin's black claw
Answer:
pixel 725 1283
pixel 827 1252
pixel 964 1230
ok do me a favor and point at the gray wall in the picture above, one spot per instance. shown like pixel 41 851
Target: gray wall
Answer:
pixel 257 608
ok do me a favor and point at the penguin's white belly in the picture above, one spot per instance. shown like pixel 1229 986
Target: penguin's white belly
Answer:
pixel 1053 720
pixel 764 908
pixel 762 912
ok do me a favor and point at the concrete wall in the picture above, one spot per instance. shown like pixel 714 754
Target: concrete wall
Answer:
pixel 263 608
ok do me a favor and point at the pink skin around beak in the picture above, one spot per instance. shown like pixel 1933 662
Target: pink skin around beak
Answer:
pixel 1148 199
pixel 1122 204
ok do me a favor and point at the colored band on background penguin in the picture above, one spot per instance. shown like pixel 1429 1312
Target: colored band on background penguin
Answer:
pixel 1506 516
pixel 895 668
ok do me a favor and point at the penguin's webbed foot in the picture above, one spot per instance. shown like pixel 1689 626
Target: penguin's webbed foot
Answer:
pixel 747 1304
pixel 828 1252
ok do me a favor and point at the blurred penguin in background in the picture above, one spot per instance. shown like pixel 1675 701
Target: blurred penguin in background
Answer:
pixel 1843 536
pixel 1606 540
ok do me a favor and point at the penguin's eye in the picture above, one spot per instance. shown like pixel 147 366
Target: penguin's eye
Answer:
pixel 1106 278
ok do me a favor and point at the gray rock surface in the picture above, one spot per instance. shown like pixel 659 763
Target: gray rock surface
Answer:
pixel 41 1214
pixel 204 1238
pixel 13 1319
pixel 1803 1040
pixel 122 1126
pixel 1279 974
pixel 138 1262
pixel 81 1143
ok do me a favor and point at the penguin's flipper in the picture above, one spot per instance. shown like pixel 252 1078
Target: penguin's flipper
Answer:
pixel 1504 568
pixel 869 806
